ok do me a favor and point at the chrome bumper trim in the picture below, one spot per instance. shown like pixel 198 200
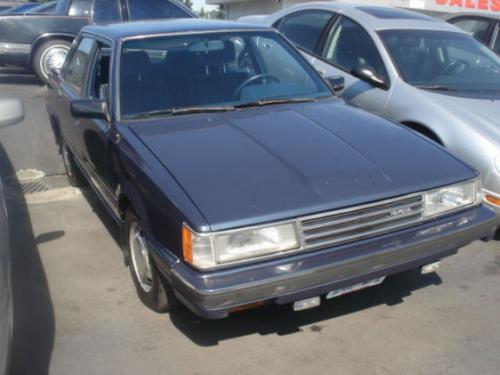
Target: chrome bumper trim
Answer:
pixel 6 48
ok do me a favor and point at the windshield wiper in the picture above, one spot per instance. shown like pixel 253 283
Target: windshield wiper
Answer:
pixel 437 88
pixel 264 102
pixel 181 111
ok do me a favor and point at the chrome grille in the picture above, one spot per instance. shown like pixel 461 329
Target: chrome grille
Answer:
pixel 355 223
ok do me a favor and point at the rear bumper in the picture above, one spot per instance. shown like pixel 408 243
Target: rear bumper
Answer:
pixel 13 54
pixel 213 294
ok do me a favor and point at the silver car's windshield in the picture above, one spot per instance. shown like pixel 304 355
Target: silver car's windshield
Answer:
pixel 443 60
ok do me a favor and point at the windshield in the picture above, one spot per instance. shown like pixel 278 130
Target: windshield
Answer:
pixel 443 60
pixel 217 70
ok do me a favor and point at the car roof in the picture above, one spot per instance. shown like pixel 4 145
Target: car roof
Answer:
pixel 379 17
pixel 181 25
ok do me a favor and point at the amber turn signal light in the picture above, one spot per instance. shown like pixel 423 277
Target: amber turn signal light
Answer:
pixel 187 244
pixel 493 200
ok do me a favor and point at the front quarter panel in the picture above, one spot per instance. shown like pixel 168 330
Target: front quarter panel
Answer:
pixel 154 194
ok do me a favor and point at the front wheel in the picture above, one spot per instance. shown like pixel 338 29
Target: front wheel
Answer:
pixel 50 56
pixel 152 289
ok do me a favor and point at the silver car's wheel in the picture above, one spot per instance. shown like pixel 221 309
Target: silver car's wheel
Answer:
pixel 139 253
pixel 53 58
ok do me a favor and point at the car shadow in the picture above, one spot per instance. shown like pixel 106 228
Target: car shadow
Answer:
pixel 34 322
pixel 282 320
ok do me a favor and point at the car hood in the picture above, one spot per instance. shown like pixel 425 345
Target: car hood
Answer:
pixel 481 111
pixel 270 163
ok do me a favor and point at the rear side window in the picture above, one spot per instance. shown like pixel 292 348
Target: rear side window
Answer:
pixel 154 9
pixel 80 8
pixel 305 28
pixel 476 27
pixel 76 66
pixel 106 11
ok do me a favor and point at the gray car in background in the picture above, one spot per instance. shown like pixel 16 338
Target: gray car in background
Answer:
pixel 11 112
pixel 410 68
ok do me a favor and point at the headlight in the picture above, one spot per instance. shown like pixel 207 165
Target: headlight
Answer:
pixel 451 198
pixel 210 250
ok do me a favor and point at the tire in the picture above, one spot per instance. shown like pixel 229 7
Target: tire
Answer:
pixel 152 289
pixel 50 54
pixel 73 172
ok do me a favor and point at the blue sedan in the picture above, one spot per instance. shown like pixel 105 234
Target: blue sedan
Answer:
pixel 239 179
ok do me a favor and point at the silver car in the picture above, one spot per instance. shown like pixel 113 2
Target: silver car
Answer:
pixel 413 69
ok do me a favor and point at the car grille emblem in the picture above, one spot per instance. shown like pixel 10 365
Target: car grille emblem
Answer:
pixel 401 212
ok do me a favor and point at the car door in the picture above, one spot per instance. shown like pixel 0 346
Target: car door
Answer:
pixel 94 135
pixel 347 47
pixel 71 87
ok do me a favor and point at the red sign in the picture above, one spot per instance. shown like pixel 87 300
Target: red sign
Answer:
pixel 487 5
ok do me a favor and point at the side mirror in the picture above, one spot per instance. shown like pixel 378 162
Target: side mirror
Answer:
pixel 336 83
pixel 90 108
pixel 11 112
pixel 369 75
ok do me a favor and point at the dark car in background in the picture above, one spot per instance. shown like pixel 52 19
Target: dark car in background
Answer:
pixel 486 29
pixel 237 177
pixel 44 8
pixel 20 9
pixel 40 42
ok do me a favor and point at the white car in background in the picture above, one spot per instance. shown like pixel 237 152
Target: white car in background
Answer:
pixel 410 68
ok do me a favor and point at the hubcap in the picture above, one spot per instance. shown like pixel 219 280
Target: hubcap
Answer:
pixel 140 257
pixel 53 59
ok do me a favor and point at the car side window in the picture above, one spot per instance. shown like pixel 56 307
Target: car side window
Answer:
pixel 106 11
pixel 100 73
pixel 349 46
pixel 80 8
pixel 476 27
pixel 76 67
pixel 305 28
pixel 155 9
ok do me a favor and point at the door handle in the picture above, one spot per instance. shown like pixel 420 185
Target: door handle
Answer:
pixel 77 123
pixel 321 72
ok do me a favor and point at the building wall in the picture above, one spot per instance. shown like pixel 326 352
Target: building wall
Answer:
pixel 238 8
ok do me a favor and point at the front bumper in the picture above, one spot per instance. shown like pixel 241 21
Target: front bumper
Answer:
pixel 214 294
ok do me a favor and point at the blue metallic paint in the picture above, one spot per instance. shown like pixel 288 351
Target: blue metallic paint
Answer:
pixel 266 164
pixel 259 165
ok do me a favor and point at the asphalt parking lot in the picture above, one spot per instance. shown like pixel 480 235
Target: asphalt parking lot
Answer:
pixel 77 313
